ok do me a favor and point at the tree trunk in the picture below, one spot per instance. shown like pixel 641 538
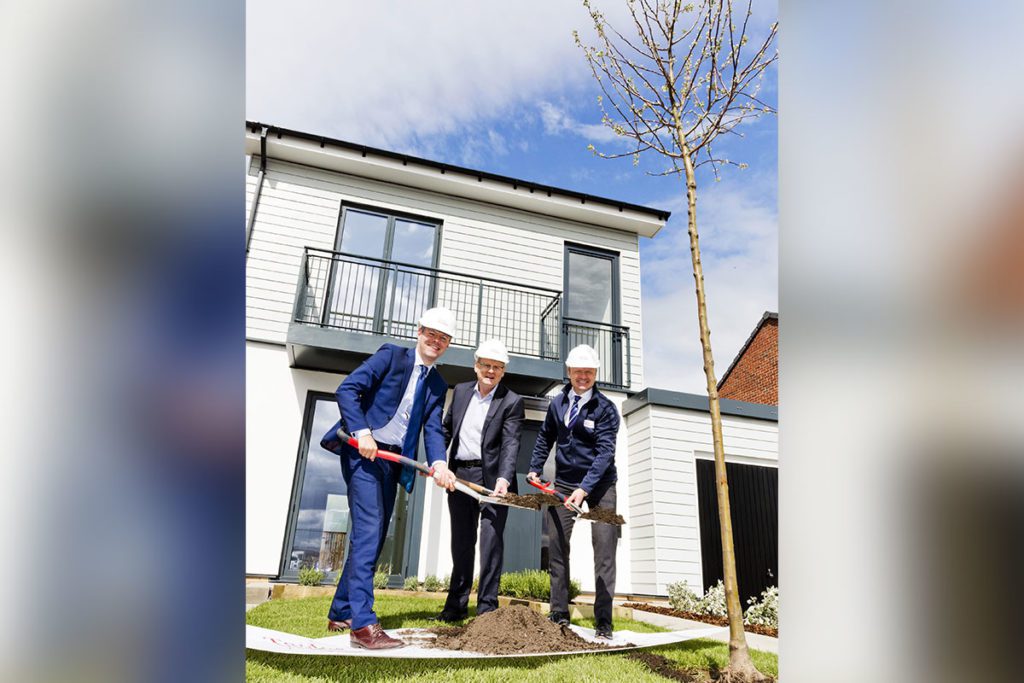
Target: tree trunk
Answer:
pixel 741 667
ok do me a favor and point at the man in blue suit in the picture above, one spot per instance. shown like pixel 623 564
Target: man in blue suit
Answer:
pixel 385 403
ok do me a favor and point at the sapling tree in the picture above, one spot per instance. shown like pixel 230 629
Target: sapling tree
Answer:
pixel 674 82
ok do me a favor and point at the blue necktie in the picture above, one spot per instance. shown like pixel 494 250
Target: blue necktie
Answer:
pixel 574 412
pixel 412 432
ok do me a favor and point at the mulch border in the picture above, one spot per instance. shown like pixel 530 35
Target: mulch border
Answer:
pixel 706 618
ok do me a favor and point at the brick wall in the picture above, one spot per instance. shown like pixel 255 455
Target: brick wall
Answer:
pixel 755 376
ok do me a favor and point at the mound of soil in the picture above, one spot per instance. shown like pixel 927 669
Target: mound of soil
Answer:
pixel 706 618
pixel 511 630
pixel 535 500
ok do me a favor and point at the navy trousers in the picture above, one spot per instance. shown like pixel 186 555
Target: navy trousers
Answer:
pixel 371 499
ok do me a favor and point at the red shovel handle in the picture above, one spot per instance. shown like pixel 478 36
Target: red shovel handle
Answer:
pixel 395 457
pixel 546 487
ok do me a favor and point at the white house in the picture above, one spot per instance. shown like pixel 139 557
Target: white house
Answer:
pixel 347 244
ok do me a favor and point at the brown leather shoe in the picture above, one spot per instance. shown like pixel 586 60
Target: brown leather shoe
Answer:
pixel 372 637
pixel 343 625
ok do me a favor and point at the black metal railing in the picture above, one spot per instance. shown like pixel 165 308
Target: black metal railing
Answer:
pixel 375 296
pixel 611 343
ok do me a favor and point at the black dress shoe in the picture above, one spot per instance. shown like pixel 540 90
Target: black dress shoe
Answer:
pixel 560 618
pixel 603 630
pixel 449 617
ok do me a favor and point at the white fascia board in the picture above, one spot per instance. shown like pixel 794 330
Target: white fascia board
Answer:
pixel 425 177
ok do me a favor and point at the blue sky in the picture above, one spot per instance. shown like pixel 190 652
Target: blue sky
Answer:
pixel 503 88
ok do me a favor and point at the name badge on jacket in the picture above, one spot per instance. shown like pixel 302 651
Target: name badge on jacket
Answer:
pixel 589 424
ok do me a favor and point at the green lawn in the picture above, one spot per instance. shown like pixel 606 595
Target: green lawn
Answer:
pixel 307 618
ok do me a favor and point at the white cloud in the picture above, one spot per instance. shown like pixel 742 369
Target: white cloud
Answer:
pixel 387 72
pixel 557 121
pixel 738 228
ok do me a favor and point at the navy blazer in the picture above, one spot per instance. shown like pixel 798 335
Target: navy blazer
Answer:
pixel 369 398
pixel 503 427
pixel 585 455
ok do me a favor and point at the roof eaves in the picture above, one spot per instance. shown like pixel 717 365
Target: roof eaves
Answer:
pixel 364 150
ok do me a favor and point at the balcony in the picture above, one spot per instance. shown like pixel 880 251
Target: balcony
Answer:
pixel 347 306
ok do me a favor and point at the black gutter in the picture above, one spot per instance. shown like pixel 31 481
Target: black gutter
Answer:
pixel 678 399
pixel 259 188
pixel 364 150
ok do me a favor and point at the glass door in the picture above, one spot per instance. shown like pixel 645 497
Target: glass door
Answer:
pixel 412 290
pixel 318 525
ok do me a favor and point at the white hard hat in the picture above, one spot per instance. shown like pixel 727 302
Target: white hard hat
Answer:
pixel 492 349
pixel 440 319
pixel 582 356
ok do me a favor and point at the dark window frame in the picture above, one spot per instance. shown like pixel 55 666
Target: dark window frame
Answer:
pixel 389 236
pixel 621 356
pixel 301 457
pixel 414 519
pixel 595 252
pixel 389 242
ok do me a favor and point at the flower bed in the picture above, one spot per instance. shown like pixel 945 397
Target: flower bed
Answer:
pixel 706 618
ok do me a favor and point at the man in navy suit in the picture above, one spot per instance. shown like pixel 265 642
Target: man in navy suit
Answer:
pixel 483 426
pixel 583 425
pixel 385 403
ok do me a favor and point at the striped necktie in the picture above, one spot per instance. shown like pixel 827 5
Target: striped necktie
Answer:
pixel 574 412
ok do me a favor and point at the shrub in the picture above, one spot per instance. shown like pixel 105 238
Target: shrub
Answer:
pixel 380 577
pixel 713 602
pixel 310 576
pixel 476 584
pixel 532 583
pixel 765 612
pixel 432 584
pixel 682 598
pixel 412 583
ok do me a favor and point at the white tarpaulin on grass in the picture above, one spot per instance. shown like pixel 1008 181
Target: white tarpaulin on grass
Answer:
pixel 268 640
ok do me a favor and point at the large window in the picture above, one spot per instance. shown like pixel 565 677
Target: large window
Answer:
pixel 318 521
pixel 370 293
pixel 591 283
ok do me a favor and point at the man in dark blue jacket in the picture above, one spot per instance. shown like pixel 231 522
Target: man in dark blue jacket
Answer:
pixel 385 403
pixel 583 425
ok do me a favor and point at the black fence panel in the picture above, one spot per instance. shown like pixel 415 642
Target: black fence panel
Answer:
pixel 754 504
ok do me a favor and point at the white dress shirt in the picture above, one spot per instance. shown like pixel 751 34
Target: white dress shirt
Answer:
pixel 584 397
pixel 394 432
pixel 471 431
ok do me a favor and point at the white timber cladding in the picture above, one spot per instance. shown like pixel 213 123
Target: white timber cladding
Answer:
pixel 299 206
pixel 664 445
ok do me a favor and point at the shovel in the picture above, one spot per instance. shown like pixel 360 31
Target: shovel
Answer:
pixel 474 491
pixel 548 487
